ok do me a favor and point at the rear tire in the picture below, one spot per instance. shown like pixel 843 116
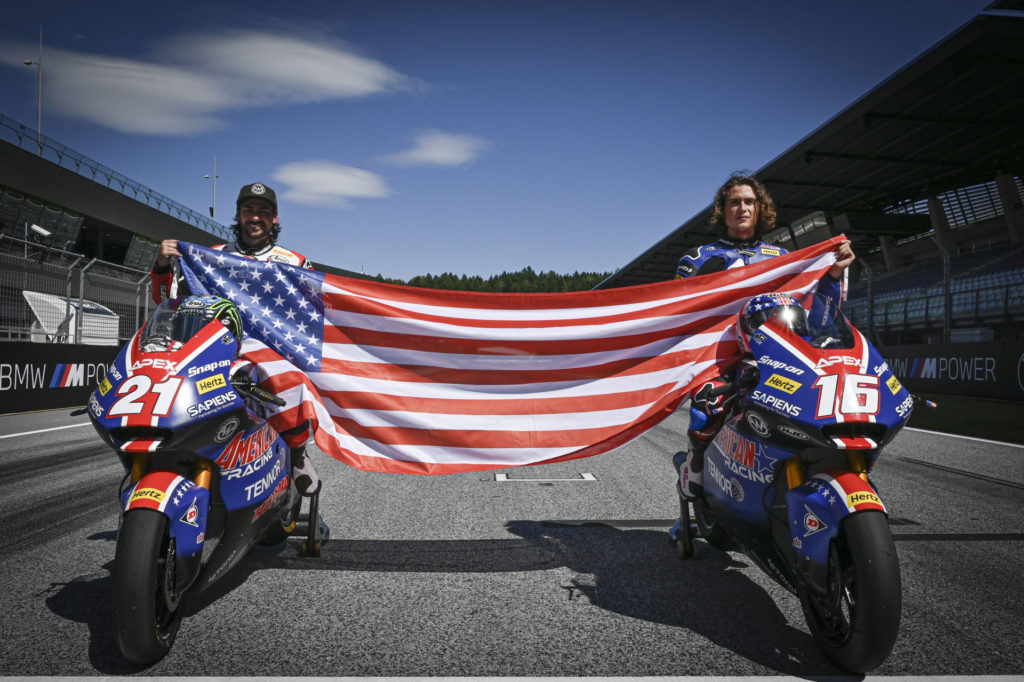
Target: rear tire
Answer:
pixel 857 622
pixel 146 608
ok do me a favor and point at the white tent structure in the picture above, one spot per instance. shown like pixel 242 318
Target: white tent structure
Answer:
pixel 56 320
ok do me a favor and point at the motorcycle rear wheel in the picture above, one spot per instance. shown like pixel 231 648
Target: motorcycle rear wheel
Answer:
pixel 857 621
pixel 146 607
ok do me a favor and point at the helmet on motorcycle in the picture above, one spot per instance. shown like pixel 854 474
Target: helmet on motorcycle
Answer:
pixel 178 320
pixel 761 308
pixel 226 311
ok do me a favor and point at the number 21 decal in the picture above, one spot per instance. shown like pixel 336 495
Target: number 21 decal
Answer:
pixel 859 395
pixel 134 391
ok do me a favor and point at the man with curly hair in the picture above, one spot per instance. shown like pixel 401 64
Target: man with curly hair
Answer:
pixel 744 211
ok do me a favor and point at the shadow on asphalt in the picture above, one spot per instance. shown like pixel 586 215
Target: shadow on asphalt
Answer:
pixel 633 572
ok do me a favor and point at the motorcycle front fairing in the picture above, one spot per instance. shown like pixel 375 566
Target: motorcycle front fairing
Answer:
pixel 821 395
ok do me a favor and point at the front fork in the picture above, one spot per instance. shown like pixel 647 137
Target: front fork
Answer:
pixel 185 501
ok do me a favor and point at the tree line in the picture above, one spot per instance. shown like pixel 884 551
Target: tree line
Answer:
pixel 526 281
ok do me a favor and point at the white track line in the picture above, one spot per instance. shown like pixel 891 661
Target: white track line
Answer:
pixel 55 428
pixel 954 435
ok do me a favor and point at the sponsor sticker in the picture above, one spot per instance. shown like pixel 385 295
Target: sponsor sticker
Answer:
pixel 782 383
pixel 226 430
pixel 792 432
pixel 211 383
pixel 812 524
pixel 104 386
pixel 191 515
pixel 758 424
pixel 894 385
pixel 770 251
pixel 862 497
pixel 148 494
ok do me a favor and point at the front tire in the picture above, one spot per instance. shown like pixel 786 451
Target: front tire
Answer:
pixel 146 607
pixel 857 621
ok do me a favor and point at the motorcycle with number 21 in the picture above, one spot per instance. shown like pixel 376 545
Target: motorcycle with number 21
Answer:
pixel 786 478
pixel 207 477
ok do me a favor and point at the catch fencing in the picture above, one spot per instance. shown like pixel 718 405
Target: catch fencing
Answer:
pixel 52 296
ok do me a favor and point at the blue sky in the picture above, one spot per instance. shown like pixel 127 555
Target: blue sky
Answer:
pixel 471 137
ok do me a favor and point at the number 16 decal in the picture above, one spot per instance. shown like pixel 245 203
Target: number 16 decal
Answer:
pixel 859 395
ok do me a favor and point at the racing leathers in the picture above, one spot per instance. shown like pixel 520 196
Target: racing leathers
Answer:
pixel 303 472
pixel 725 254
pixel 709 405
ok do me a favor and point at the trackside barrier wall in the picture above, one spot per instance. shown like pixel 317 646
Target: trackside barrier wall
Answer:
pixel 983 370
pixel 45 376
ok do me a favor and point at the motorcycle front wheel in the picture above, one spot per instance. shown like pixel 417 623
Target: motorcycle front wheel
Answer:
pixel 146 607
pixel 856 622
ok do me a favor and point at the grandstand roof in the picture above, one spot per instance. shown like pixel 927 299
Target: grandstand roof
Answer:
pixel 952 118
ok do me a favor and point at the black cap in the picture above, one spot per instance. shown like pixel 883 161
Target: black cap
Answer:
pixel 257 190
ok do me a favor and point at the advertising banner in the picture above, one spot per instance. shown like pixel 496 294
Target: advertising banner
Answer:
pixel 40 376
pixel 984 370
pixel 43 376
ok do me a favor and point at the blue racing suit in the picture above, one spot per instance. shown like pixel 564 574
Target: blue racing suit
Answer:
pixel 725 254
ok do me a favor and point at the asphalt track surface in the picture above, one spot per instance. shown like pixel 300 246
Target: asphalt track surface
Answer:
pixel 549 573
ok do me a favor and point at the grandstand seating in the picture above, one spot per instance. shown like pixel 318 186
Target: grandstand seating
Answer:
pixel 986 286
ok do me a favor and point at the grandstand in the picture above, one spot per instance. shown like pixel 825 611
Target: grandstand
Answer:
pixel 923 174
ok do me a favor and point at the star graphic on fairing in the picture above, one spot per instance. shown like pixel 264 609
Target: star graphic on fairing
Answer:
pixel 765 462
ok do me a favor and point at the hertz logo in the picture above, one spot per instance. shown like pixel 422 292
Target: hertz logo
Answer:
pixel 104 386
pixel 148 494
pixel 894 385
pixel 214 382
pixel 782 383
pixel 862 497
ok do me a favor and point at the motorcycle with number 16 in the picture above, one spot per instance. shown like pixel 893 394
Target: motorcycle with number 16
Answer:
pixel 786 478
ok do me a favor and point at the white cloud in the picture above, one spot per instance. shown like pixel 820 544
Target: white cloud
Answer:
pixel 263 67
pixel 132 96
pixel 438 148
pixel 328 184
pixel 193 79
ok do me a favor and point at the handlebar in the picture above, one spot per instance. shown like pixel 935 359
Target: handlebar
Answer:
pixel 258 393
pixel 918 400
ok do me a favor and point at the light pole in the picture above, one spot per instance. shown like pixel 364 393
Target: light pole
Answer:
pixel 213 208
pixel 39 93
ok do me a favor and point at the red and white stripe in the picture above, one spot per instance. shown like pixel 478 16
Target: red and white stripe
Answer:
pixel 434 382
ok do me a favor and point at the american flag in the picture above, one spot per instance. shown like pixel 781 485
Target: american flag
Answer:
pixel 405 380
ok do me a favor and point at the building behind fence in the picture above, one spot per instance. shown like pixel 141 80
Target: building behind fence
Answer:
pixel 48 295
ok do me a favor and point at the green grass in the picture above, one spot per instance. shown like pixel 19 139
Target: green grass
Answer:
pixel 978 417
